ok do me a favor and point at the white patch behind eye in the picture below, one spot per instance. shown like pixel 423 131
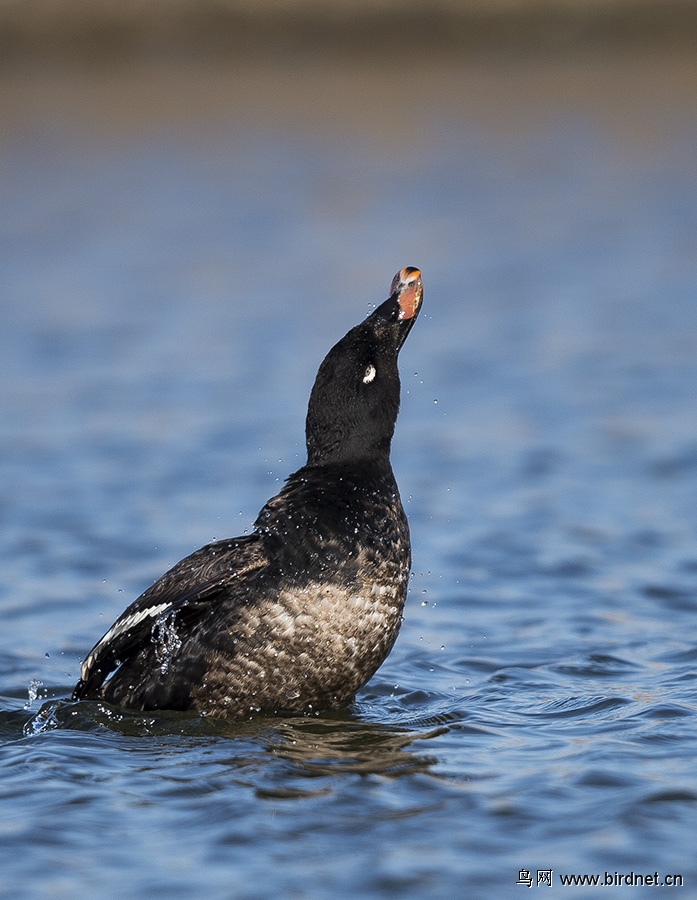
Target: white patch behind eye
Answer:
pixel 369 374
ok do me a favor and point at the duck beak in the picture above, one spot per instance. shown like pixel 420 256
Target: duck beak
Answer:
pixel 401 308
pixel 408 289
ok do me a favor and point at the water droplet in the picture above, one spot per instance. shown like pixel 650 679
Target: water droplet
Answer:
pixel 33 691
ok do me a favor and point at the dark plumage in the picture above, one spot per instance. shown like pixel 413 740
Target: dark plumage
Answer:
pixel 298 615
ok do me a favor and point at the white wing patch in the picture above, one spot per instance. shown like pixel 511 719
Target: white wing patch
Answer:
pixel 118 628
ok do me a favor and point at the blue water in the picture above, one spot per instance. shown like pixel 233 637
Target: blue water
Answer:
pixel 179 250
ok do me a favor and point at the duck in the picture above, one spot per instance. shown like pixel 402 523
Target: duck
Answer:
pixel 296 616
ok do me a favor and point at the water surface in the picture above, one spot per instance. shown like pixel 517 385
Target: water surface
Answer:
pixel 180 248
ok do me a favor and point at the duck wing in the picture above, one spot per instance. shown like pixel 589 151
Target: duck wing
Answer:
pixel 187 590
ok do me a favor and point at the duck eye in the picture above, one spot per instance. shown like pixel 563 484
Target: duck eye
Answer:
pixel 369 374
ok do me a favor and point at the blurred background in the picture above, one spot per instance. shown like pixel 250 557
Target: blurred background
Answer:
pixel 197 199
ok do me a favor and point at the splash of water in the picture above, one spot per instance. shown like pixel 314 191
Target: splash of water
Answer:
pixel 34 691
pixel 46 719
pixel 167 640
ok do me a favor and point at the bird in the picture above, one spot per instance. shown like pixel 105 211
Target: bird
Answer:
pixel 296 616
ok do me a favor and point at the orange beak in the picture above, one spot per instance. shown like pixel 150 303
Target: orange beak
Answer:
pixel 409 288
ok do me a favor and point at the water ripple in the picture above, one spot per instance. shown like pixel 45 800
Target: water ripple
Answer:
pixel 179 250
